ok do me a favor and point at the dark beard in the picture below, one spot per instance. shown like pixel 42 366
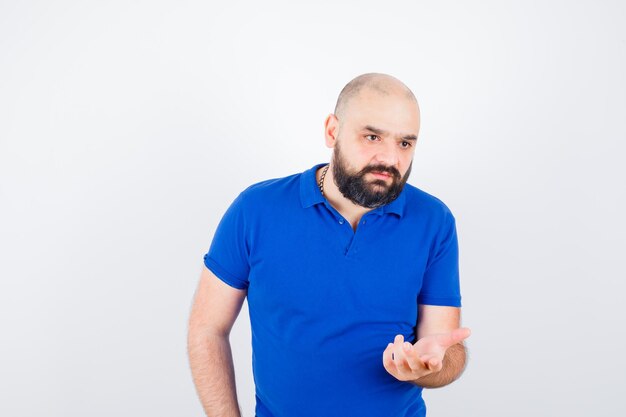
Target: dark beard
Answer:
pixel 356 189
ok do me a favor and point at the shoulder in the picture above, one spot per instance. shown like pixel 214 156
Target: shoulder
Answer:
pixel 271 187
pixel 268 192
pixel 422 203
pixel 261 202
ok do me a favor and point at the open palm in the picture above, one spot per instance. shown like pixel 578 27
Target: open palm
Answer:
pixel 408 362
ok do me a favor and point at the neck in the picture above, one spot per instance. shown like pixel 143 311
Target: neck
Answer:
pixel 343 205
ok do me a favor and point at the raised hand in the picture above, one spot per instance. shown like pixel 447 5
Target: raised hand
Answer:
pixel 407 362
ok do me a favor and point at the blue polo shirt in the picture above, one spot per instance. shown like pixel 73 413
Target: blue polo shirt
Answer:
pixel 325 300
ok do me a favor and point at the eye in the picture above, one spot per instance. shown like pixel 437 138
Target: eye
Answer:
pixel 370 136
pixel 405 145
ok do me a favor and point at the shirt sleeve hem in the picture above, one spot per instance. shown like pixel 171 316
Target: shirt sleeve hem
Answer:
pixel 439 301
pixel 224 275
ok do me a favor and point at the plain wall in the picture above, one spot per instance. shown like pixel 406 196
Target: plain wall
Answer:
pixel 128 127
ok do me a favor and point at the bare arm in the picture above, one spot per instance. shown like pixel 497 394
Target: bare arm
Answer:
pixel 438 356
pixel 215 308
pixel 437 320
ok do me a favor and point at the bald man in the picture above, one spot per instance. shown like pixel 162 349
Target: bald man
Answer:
pixel 351 276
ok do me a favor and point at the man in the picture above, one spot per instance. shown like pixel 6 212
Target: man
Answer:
pixel 351 276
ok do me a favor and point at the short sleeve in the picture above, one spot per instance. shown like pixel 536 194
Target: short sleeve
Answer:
pixel 440 285
pixel 228 254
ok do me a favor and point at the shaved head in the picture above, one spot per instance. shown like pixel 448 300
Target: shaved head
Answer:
pixel 382 84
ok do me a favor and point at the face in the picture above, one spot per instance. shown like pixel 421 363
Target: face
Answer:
pixel 373 147
pixel 384 188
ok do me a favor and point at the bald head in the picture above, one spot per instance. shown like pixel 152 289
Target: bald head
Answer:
pixel 379 83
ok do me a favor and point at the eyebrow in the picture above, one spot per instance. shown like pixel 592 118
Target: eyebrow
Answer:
pixel 384 133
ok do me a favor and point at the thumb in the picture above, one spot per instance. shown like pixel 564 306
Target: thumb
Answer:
pixel 461 334
pixel 454 337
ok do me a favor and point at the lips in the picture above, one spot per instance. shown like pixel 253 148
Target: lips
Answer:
pixel 381 175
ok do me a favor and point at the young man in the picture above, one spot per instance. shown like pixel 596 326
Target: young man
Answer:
pixel 351 276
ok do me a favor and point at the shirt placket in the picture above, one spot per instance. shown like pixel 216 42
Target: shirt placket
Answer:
pixel 351 237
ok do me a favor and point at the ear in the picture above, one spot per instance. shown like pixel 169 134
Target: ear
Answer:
pixel 331 128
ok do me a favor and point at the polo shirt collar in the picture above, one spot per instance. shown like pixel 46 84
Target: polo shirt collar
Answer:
pixel 310 194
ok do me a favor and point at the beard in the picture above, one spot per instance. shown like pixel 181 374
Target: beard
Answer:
pixel 370 194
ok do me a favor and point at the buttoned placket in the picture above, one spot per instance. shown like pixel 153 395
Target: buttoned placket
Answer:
pixel 354 236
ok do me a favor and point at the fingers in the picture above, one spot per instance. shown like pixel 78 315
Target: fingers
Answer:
pixel 432 363
pixel 410 362
pixel 402 360
pixel 400 350
pixel 413 363
pixel 388 362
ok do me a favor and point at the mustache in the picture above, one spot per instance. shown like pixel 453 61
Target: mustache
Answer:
pixel 381 168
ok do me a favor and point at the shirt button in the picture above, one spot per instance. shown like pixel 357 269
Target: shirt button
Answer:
pixel 364 221
pixel 340 221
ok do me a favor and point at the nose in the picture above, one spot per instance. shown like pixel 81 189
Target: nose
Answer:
pixel 388 154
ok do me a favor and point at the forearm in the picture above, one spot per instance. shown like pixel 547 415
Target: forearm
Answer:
pixel 211 362
pixel 454 362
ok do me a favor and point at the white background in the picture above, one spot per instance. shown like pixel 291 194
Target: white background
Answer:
pixel 128 127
